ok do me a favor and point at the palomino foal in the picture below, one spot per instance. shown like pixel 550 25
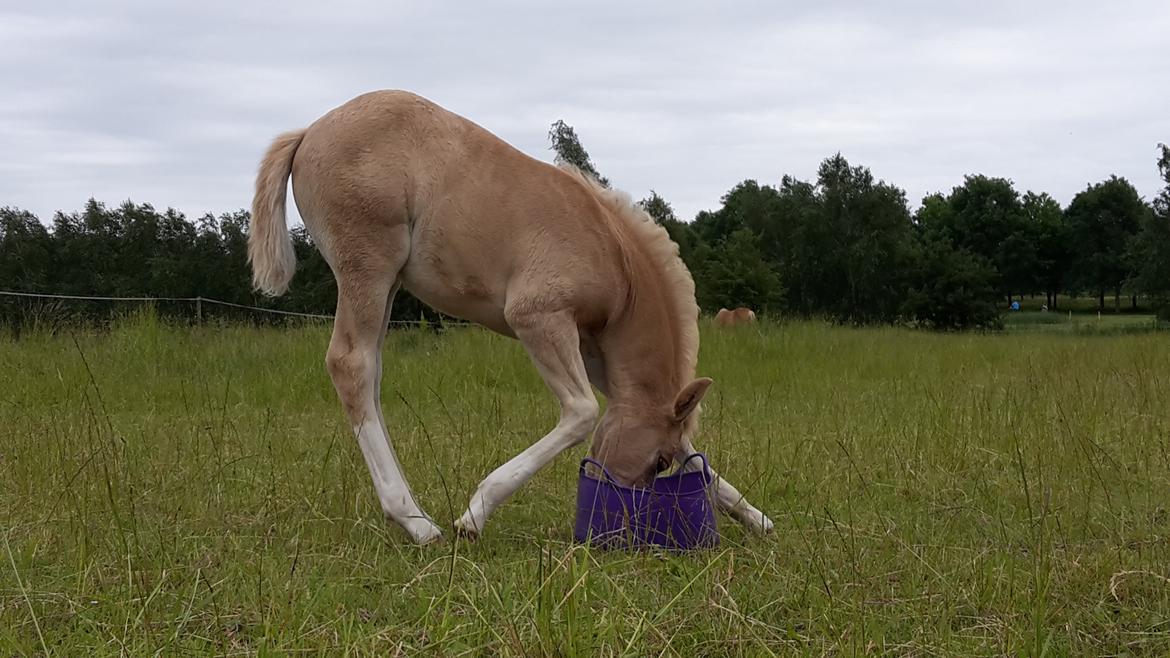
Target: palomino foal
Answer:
pixel 398 192
pixel 741 315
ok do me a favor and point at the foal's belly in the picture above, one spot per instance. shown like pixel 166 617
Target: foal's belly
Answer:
pixel 458 294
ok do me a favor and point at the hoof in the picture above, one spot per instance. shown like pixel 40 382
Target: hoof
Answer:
pixel 465 528
pixel 765 525
pixel 757 522
pixel 436 540
pixel 425 533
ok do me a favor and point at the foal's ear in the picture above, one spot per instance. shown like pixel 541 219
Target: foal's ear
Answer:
pixel 689 398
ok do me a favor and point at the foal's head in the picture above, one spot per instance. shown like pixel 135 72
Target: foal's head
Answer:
pixel 636 442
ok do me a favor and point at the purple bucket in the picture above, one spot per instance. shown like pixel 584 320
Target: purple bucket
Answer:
pixel 674 512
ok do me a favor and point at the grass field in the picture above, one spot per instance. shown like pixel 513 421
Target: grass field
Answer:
pixel 189 491
pixel 1084 324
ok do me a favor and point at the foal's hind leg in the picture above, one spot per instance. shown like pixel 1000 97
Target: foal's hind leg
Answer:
pixel 354 361
pixel 553 344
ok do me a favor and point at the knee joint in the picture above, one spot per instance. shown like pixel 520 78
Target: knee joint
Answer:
pixel 350 371
pixel 581 415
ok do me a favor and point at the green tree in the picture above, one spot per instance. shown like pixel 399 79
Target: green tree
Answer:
pixel 26 265
pixel 840 246
pixel 735 273
pixel 154 251
pixel 568 149
pixel 985 217
pixel 682 233
pixel 870 230
pixel 658 208
pixel 26 252
pixel 1052 245
pixel 747 205
pixel 1019 262
pixel 1102 221
pixel 1149 251
pixel 797 239
pixel 935 216
pixel 87 251
pixel 951 288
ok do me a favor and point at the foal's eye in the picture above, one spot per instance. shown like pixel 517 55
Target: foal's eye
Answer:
pixel 663 463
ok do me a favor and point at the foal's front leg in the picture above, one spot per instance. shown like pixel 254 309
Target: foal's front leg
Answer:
pixel 728 498
pixel 553 344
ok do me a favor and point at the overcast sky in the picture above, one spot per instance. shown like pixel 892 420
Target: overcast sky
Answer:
pixel 174 103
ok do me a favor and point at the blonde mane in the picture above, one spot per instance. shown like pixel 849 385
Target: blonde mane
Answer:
pixel 665 260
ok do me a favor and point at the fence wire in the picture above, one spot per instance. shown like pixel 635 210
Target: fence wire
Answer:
pixel 208 300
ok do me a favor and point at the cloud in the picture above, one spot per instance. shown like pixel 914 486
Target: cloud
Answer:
pixel 174 104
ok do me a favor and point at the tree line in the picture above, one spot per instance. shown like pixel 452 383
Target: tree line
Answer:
pixel 845 247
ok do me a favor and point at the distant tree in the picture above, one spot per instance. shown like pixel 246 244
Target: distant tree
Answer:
pixel 840 246
pixel 154 251
pixel 313 287
pixel 870 227
pixel 209 256
pixel 658 208
pixel 985 217
pixel 951 288
pixel 682 233
pixel 1102 221
pixel 986 211
pixel 796 240
pixel 1149 257
pixel 568 149
pixel 934 216
pixel 758 210
pixel 1053 255
pixel 747 205
pixel 735 273
pixel 86 251
pixel 26 252
pixel 1019 262
pixel 26 265
pixel 1149 250
pixel 236 275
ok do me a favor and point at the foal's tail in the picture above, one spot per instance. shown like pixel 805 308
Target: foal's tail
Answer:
pixel 270 248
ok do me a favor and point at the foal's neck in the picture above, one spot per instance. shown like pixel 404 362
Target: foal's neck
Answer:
pixel 641 357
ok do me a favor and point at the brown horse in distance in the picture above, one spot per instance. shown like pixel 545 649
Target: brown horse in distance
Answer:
pixel 741 315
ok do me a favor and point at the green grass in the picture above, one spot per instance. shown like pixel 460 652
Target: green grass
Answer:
pixel 1083 304
pixel 190 491
pixel 1063 322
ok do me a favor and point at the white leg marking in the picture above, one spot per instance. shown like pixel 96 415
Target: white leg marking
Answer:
pixel 354 363
pixel 390 483
pixel 572 429
pixel 553 343
pixel 729 499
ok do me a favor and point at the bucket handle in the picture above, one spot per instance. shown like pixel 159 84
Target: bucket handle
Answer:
pixel 703 458
pixel 600 467
pixel 681 466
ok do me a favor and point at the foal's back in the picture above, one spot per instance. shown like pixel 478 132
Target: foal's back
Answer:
pixel 468 224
